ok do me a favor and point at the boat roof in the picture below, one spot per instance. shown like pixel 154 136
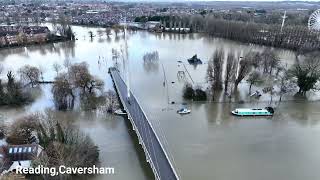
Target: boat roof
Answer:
pixel 251 110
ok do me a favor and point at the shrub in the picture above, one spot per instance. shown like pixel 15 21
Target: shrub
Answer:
pixel 200 95
pixel 197 95
pixel 188 92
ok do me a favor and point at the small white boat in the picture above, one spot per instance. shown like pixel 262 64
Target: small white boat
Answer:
pixel 184 111
pixel 267 111
pixel 256 94
pixel 119 112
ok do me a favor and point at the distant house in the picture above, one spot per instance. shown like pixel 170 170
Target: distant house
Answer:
pixel 12 35
pixel 13 156
pixel 152 24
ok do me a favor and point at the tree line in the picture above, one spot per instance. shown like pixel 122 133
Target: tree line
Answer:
pixel 262 16
pixel 294 37
pixel 298 38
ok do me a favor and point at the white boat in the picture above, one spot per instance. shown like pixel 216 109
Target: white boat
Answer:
pixel 119 112
pixel 256 94
pixel 267 111
pixel 184 111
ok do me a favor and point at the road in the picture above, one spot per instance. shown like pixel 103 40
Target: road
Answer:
pixel 159 160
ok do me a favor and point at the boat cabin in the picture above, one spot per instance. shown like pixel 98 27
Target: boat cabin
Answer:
pixel 268 111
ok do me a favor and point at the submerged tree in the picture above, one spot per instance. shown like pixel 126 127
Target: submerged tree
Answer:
pixel 81 78
pixel 30 74
pixel 254 77
pixel 286 84
pixel 270 61
pixel 231 69
pixel 69 33
pixel 151 61
pixel 217 69
pixel 91 35
pixel 63 94
pixel 188 92
pixel 210 72
pixel 116 30
pixel 108 32
pixel 77 81
pixel 15 94
pixel 244 70
pixel 307 72
pixel 56 67
pixel 200 95
pixel 196 94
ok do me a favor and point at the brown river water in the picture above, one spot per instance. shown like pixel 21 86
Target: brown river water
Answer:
pixel 207 144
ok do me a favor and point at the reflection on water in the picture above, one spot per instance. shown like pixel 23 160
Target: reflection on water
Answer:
pixel 207 144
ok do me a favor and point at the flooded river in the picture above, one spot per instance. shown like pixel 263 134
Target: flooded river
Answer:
pixel 207 144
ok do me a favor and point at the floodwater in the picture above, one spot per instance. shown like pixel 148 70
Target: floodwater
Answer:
pixel 207 144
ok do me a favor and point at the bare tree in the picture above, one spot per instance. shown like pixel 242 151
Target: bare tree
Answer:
pixel 243 71
pixel 254 77
pixel 91 35
pixel 67 63
pixel 217 69
pixel 151 56
pixel 81 78
pixel 63 92
pixel 287 84
pixel 255 59
pixel 111 101
pixel 151 61
pixel 108 31
pixel 21 129
pixel 116 30
pixel 100 32
pixel 56 67
pixel 210 71
pixel 231 69
pixel 270 61
pixel 63 26
pixel 30 74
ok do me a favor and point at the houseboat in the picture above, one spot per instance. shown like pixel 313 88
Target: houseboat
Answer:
pixel 267 111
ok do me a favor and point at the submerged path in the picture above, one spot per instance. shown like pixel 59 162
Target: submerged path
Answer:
pixel 154 151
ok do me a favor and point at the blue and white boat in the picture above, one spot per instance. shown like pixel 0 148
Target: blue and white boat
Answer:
pixel 184 111
pixel 267 111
